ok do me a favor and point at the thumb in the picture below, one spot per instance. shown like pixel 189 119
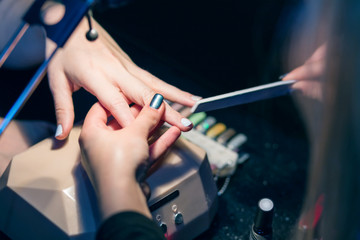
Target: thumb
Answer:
pixel 150 116
pixel 64 107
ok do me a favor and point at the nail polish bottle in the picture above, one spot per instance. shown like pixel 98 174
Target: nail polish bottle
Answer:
pixel 262 227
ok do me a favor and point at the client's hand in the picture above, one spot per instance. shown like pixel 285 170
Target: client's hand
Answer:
pixel 106 71
pixel 112 154
pixel 309 74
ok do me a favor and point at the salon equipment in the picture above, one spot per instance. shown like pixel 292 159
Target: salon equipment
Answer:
pixel 236 142
pixel 225 136
pixel 249 95
pixel 196 118
pixel 216 130
pixel 223 157
pixel 46 194
pixel 205 125
pixel 224 160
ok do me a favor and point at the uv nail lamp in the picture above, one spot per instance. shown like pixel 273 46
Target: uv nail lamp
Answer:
pixel 46 194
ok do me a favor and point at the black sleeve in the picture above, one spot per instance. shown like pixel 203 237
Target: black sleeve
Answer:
pixel 129 225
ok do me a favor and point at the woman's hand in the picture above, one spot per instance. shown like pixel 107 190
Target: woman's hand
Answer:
pixel 309 74
pixel 112 155
pixel 103 69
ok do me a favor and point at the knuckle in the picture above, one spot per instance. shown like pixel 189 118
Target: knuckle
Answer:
pixel 116 103
pixel 153 81
pixel 61 110
pixel 147 95
pixel 153 119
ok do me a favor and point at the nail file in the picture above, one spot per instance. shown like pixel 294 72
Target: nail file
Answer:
pixel 249 95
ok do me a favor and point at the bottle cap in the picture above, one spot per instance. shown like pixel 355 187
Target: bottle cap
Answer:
pixel 264 217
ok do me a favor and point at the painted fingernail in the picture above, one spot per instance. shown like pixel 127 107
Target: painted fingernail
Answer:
pixel 156 101
pixel 186 122
pixel 283 76
pixel 196 98
pixel 59 130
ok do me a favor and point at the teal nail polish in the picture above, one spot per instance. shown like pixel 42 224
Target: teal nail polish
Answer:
pixel 156 101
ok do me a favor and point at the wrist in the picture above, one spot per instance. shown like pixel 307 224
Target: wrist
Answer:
pixel 123 194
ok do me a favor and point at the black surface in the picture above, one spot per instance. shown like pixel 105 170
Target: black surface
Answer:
pixel 208 48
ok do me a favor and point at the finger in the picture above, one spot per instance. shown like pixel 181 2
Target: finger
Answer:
pixel 171 116
pixel 64 107
pixel 114 101
pixel 311 70
pixel 169 92
pixel 135 110
pixel 176 119
pixel 144 95
pixel 96 118
pixel 164 142
pixel 95 122
pixel 160 123
pixel 310 88
pixel 149 116
pixel 117 101
pixel 113 123
pixel 318 55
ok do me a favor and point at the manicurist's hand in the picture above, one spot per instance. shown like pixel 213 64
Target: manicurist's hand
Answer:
pixel 309 74
pixel 105 70
pixel 112 154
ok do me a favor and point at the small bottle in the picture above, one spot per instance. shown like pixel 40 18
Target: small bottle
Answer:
pixel 262 227
pixel 225 136
pixel 236 142
pixel 205 125
pixel 197 118
pixel 216 130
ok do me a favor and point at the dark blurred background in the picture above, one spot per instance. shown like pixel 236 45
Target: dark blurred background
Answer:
pixel 209 47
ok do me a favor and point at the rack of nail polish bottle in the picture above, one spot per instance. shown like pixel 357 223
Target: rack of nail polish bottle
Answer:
pixel 223 145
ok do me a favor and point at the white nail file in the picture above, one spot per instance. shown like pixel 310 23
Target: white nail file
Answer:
pixel 249 95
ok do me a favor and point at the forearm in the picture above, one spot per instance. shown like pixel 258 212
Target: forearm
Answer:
pixel 121 194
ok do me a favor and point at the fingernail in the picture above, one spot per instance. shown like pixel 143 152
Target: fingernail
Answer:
pixel 282 76
pixel 196 98
pixel 186 122
pixel 59 130
pixel 156 101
